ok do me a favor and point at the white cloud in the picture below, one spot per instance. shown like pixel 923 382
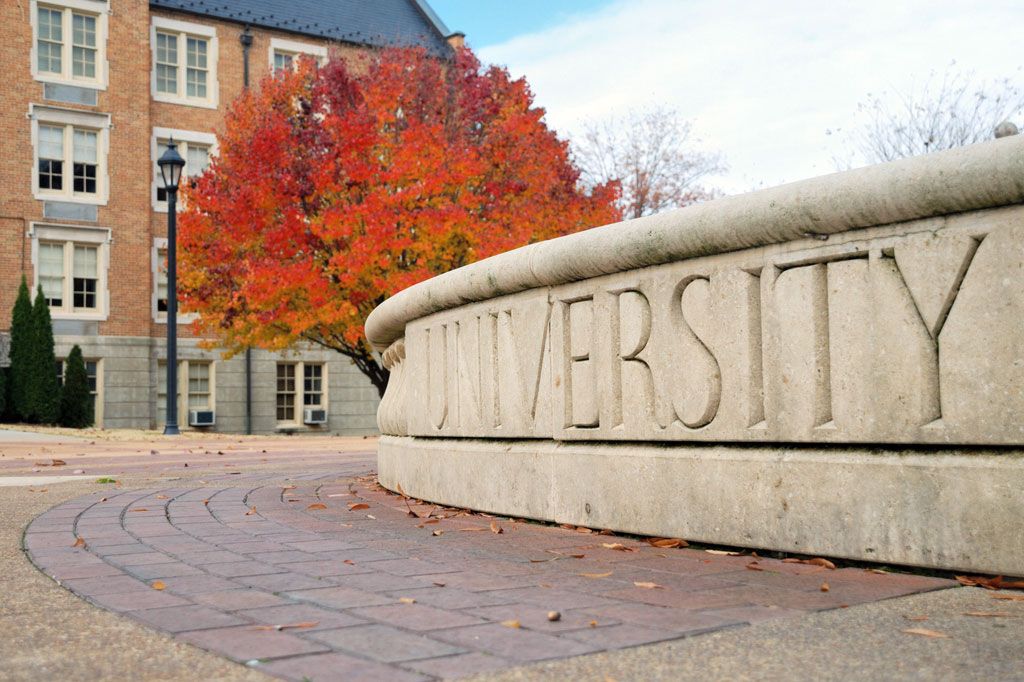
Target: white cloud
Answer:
pixel 763 81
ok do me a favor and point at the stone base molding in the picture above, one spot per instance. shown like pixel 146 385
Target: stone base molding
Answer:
pixel 940 509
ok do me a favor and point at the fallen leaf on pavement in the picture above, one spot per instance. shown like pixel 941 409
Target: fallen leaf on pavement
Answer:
pixel 618 546
pixel 541 561
pixel 207 502
pixel 439 584
pixel 316 506
pixel 925 633
pixel 161 497
pixel 496 529
pixel 437 532
pixel 510 623
pixel 286 626
pixel 752 567
pixel 103 499
pixel 429 521
pixel 668 543
pixel 407 600
pixel 595 575
pixel 817 561
pixel 287 487
pixel 1015 597
pixel 471 529
pixel 353 506
pixel 79 543
pixel 592 623
pixel 824 587
pixel 400 491
pixel 158 585
pixel 554 616
pixel 371 516
pixel 915 618
pixel 647 585
pixel 722 552
pixel 988 614
pixel 581 529
pixel 349 561
pixel 139 509
pixel 875 570
pixel 251 512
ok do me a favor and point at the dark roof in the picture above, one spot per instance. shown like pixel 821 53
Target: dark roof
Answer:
pixel 365 22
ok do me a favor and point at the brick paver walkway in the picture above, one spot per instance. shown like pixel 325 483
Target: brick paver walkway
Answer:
pixel 393 597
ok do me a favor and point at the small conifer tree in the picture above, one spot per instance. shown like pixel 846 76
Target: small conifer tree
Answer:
pixel 44 389
pixel 75 403
pixel 22 345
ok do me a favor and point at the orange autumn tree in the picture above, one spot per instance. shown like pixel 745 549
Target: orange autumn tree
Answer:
pixel 336 187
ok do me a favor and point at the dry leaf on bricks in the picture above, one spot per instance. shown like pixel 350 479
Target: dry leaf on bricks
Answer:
pixel 79 543
pixel 647 585
pixel 619 547
pixel 668 543
pixel 510 623
pixel 316 506
pixel 595 575
pixel 159 585
pixel 496 529
pixel 353 506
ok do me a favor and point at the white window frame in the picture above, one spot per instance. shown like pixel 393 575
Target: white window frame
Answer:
pixel 294 49
pixel 184 29
pixel 98 8
pixel 300 389
pixel 183 138
pixel 70 235
pixel 183 387
pixel 97 416
pixel 69 120
pixel 160 244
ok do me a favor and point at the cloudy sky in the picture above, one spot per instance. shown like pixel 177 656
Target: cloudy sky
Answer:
pixel 762 81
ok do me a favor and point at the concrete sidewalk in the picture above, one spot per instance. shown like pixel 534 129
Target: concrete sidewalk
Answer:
pixel 259 532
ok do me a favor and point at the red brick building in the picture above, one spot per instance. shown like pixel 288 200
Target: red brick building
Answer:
pixel 93 90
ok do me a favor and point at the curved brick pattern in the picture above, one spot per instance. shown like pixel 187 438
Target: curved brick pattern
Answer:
pixel 390 599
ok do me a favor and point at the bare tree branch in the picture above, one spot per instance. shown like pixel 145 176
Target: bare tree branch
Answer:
pixel 948 110
pixel 651 154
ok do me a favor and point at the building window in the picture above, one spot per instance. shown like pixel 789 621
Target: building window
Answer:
pixel 285 392
pixel 70 155
pixel 56 145
pixel 312 385
pixel 71 266
pixel 70 38
pixel 195 389
pixel 159 296
pixel 184 62
pixel 196 148
pixel 70 275
pixel 92 374
pixel 284 53
pixel 299 385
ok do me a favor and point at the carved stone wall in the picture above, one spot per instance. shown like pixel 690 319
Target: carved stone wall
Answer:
pixel 865 317
pixel 903 334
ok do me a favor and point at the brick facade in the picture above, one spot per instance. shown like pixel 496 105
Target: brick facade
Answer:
pixel 126 225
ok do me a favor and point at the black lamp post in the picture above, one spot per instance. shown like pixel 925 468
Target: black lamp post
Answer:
pixel 171 164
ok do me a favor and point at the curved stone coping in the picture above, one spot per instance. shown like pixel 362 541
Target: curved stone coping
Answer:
pixel 938 509
pixel 395 597
pixel 974 177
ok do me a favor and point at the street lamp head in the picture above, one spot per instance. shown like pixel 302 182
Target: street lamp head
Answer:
pixel 171 164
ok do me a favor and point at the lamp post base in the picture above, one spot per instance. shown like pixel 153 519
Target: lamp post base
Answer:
pixel 171 430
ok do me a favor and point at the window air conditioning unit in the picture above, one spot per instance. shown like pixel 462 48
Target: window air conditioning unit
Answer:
pixel 315 416
pixel 201 418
